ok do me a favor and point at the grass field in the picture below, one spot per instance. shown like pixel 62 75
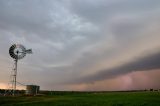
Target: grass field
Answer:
pixel 86 99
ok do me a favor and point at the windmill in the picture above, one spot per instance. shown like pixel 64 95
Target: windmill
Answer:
pixel 17 52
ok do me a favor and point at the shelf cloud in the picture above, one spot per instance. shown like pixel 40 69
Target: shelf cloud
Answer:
pixel 145 63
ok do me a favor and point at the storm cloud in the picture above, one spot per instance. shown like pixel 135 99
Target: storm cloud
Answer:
pixel 145 63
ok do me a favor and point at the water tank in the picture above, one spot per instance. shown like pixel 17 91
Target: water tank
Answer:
pixel 32 89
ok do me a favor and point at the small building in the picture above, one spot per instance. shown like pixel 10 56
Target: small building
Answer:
pixel 32 89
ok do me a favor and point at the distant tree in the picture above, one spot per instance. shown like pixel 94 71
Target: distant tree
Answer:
pixel 151 89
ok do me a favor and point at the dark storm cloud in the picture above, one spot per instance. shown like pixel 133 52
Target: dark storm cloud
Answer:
pixel 144 63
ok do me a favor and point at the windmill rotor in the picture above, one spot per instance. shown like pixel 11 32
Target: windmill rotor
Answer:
pixel 17 51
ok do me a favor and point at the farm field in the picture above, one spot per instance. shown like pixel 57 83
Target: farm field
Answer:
pixel 86 99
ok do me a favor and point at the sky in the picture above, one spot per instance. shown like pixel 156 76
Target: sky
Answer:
pixel 82 45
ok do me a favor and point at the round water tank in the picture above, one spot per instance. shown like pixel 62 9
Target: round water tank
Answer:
pixel 32 89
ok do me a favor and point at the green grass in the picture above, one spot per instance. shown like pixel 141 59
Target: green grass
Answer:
pixel 86 99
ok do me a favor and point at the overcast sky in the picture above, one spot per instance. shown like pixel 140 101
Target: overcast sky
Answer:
pixel 82 44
